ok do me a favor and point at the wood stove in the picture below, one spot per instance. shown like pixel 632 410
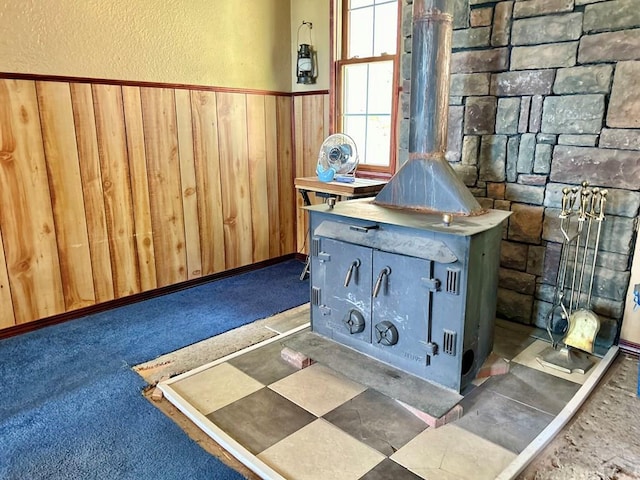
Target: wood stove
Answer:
pixel 410 278
pixel 406 288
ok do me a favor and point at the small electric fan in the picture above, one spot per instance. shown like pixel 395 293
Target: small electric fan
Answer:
pixel 338 159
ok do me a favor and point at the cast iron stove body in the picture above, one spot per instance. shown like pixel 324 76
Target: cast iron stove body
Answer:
pixel 406 289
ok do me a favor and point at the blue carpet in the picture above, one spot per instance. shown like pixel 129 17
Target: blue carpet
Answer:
pixel 72 408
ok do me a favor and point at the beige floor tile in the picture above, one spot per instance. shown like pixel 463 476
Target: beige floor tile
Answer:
pixel 450 452
pixel 479 381
pixel 290 319
pixel 528 357
pixel 321 451
pixel 317 389
pixel 216 387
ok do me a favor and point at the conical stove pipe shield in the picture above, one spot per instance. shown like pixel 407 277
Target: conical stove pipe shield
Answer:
pixel 426 181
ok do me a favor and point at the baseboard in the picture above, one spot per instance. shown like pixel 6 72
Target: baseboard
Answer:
pixel 138 297
pixel 629 347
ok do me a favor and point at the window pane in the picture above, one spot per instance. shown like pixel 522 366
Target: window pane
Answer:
pixel 367 107
pixel 378 146
pixel 355 89
pixel 360 3
pixel 372 135
pixel 356 127
pixel 361 33
pixel 385 31
pixel 380 88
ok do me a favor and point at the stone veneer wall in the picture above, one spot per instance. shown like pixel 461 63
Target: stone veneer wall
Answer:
pixel 545 94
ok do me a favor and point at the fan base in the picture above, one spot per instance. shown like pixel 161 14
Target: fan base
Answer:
pixel 345 178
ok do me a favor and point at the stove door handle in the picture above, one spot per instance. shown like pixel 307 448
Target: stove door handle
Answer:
pixel 355 264
pixel 383 274
pixel 363 228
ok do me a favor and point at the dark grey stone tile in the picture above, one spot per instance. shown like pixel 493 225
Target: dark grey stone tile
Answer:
pixel 539 390
pixel 508 343
pixel 261 419
pixel 365 370
pixel 264 364
pixel 501 420
pixel 388 469
pixel 377 420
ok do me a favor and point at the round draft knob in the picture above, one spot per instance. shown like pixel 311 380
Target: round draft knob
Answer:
pixel 386 333
pixel 354 320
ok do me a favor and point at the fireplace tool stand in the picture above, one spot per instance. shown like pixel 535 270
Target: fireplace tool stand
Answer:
pixel 574 304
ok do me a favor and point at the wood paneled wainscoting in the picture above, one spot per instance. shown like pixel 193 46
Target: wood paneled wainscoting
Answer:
pixel 108 190
pixel 311 126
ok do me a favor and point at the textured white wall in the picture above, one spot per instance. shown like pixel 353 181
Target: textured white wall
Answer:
pixel 204 42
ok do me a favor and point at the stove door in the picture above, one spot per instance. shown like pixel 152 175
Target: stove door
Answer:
pixel 341 292
pixel 401 291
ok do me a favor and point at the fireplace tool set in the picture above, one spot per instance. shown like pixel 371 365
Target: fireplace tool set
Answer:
pixel 574 280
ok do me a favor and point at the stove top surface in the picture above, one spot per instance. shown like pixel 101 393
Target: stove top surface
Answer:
pixel 365 209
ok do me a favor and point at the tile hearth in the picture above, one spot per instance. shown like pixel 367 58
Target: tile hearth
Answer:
pixel 315 423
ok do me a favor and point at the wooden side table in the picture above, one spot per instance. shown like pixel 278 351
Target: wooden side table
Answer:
pixel 360 187
pixel 334 191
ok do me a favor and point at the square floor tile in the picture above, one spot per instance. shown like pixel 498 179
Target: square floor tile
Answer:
pixel 389 470
pixel 545 392
pixel 321 451
pixel 501 420
pixel 265 364
pixel 261 419
pixel 317 388
pixel 377 420
pixel 510 340
pixel 529 356
pixel 216 387
pixel 287 321
pixel 450 452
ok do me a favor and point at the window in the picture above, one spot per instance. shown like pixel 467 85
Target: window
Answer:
pixel 366 73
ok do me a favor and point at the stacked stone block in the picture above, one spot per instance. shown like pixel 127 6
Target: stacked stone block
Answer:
pixel 545 94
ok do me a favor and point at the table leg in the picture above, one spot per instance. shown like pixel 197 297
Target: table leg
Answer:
pixel 306 269
pixel 307 264
pixel 328 198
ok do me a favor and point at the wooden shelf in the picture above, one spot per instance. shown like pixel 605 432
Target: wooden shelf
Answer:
pixel 361 187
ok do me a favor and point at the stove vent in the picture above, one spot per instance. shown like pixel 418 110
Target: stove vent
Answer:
pixel 315 247
pixel 452 281
pixel 315 296
pixel 427 182
pixel 449 342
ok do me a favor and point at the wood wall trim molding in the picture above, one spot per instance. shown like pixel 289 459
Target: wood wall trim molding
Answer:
pixel 315 92
pixel 139 297
pixel 630 347
pixel 131 83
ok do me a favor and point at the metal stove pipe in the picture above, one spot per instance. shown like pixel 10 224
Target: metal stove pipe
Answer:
pixel 427 181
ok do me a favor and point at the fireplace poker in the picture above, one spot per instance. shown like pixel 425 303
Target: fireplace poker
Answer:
pixel 582 214
pixel 600 219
